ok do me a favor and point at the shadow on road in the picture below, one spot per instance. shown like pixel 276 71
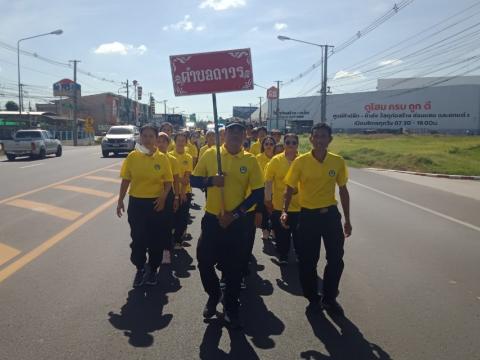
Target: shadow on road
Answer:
pixel 142 313
pixel 182 264
pixel 348 343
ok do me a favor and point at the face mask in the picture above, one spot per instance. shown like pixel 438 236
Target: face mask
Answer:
pixel 142 149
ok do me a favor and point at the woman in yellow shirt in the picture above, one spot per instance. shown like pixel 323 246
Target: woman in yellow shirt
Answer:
pixel 266 154
pixel 275 186
pixel 147 173
pixel 185 191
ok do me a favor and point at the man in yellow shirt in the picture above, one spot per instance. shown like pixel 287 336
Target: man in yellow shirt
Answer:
pixel 210 138
pixel 261 133
pixel 316 175
pixel 147 173
pixel 223 236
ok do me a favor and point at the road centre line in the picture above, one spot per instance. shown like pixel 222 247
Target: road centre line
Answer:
pixel 29 166
pixel 433 212
pixel 48 209
pixel 7 253
pixel 42 248
pixel 55 184
pixel 104 178
pixel 84 190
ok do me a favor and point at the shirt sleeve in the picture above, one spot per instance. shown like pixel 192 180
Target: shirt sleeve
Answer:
pixel 125 172
pixel 342 176
pixel 256 176
pixel 293 174
pixel 201 168
pixel 175 166
pixel 270 170
pixel 190 164
pixel 167 175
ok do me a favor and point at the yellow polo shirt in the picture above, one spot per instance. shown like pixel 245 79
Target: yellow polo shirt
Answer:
pixel 263 160
pixel 315 180
pixel 242 173
pixel 255 148
pixel 174 165
pixel 192 150
pixel 171 146
pixel 275 172
pixel 202 150
pixel 185 163
pixel 146 173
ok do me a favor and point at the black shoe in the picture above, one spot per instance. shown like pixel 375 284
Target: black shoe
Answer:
pixel 223 283
pixel 195 206
pixel 332 307
pixel 232 320
pixel 210 308
pixel 314 307
pixel 151 276
pixel 243 284
pixel 138 280
pixel 283 260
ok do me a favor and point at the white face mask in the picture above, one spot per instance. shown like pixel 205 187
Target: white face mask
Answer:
pixel 142 149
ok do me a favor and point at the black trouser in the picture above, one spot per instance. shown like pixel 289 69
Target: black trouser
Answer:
pixel 169 220
pixel 265 217
pixel 284 236
pixel 148 232
pixel 181 220
pixel 249 233
pixel 228 249
pixel 312 225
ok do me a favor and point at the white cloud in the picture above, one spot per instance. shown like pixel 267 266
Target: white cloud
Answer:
pixel 357 75
pixel 184 25
pixel 392 62
pixel 220 5
pixel 117 47
pixel 280 26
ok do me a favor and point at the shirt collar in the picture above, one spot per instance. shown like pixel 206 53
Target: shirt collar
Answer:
pixel 224 152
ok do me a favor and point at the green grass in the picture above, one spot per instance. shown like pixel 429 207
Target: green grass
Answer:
pixel 439 154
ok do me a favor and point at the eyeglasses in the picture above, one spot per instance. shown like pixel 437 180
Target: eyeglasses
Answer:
pixel 293 142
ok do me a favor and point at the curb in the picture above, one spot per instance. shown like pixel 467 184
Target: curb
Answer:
pixel 443 176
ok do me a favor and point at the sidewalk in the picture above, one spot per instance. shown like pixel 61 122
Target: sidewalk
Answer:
pixel 466 188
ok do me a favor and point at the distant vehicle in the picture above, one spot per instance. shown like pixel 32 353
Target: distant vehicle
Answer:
pixel 119 139
pixel 33 143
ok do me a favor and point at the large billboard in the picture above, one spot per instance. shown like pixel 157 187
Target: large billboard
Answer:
pixel 453 109
pixel 244 112
pixel 212 72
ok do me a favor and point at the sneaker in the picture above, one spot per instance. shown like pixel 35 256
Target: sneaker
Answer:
pixel 223 283
pixel 195 206
pixel 232 320
pixel 210 308
pixel 243 284
pixel 187 237
pixel 138 280
pixel 283 260
pixel 332 307
pixel 151 276
pixel 178 246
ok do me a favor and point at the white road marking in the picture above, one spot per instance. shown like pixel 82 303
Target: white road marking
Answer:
pixel 439 214
pixel 29 166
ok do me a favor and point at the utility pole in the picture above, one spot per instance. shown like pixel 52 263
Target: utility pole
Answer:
pixel 164 110
pixel 278 103
pixel 250 112
pixel 323 115
pixel 260 110
pixel 75 123
pixel 135 83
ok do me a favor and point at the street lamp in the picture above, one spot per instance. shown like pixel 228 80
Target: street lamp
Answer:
pixel 325 48
pixel 56 32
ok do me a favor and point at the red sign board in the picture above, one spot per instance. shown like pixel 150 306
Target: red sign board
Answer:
pixel 212 72
pixel 272 93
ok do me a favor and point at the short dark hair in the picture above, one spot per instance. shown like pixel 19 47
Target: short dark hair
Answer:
pixel 321 126
pixel 166 123
pixel 290 135
pixel 268 137
pixel 262 128
pixel 149 127
pixel 181 133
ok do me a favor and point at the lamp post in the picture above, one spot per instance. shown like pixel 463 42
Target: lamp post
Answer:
pixel 56 32
pixel 323 116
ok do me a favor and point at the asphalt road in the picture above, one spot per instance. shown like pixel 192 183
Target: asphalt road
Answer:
pixel 410 289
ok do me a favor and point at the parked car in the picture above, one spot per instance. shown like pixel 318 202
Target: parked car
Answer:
pixel 34 143
pixel 120 139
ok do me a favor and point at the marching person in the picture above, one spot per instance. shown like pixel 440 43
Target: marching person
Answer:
pixel 185 169
pixel 223 239
pixel 266 154
pixel 279 148
pixel 316 174
pixel 191 147
pixel 261 133
pixel 210 139
pixel 277 135
pixel 167 128
pixel 275 186
pixel 173 198
pixel 146 173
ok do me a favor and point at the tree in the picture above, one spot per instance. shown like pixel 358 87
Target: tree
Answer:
pixel 11 106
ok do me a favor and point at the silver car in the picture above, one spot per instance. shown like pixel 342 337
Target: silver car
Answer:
pixel 120 139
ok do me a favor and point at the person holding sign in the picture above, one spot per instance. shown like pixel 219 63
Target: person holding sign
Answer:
pixel 316 175
pixel 147 173
pixel 222 241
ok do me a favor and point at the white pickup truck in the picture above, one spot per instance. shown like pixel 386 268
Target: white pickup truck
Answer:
pixel 33 143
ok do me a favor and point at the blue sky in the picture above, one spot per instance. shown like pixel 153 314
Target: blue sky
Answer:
pixel 119 40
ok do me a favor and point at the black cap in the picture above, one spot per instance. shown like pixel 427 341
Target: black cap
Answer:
pixel 235 125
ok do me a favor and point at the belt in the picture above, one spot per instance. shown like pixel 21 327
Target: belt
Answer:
pixel 323 210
